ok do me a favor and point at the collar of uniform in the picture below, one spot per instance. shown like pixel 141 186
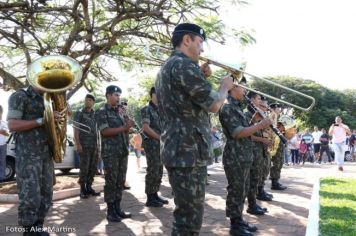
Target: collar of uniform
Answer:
pixel 32 93
pixel 153 105
pixel 179 53
pixel 234 101
pixel 85 110
pixel 109 107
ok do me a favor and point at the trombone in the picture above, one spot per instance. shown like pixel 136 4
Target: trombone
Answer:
pixel 238 72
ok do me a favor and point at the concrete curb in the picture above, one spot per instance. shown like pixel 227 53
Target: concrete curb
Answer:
pixel 57 195
pixel 313 217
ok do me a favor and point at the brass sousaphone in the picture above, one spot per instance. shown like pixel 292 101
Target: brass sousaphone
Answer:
pixel 55 75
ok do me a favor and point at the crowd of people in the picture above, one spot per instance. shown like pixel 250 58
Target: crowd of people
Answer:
pixel 177 134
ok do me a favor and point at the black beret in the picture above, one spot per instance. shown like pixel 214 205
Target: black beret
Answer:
pixel 243 80
pixel 90 96
pixel 152 91
pixel 275 105
pixel 190 28
pixel 263 98
pixel 112 89
pixel 252 94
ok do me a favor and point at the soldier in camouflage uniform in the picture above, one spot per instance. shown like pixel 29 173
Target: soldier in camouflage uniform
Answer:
pixel 87 147
pixel 34 164
pixel 256 169
pixel 266 162
pixel 238 157
pixel 184 100
pixel 113 129
pixel 277 161
pixel 151 124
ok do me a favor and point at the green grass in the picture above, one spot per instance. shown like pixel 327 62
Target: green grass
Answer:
pixel 337 207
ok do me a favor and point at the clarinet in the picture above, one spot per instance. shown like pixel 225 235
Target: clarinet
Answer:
pixel 275 130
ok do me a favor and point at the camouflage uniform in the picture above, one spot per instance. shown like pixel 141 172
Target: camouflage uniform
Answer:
pixel 267 160
pixel 257 164
pixel 114 153
pixel 237 157
pixel 277 162
pixel 150 116
pixel 88 157
pixel 34 164
pixel 184 97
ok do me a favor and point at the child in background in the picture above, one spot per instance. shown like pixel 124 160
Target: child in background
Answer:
pixel 303 148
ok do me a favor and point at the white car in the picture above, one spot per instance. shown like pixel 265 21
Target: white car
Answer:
pixel 70 161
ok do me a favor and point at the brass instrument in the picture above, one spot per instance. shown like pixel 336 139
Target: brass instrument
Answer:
pixel 55 75
pixel 238 72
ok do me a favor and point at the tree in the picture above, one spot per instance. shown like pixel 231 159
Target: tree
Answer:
pixel 329 103
pixel 94 32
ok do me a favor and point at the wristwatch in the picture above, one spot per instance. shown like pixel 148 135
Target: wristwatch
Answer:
pixel 39 121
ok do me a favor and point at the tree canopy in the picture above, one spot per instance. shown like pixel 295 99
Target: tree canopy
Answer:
pixel 94 32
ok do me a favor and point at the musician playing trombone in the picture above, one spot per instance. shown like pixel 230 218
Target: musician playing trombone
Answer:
pixel 184 99
pixel 238 156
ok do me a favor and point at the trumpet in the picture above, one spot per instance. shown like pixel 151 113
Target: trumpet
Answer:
pixel 238 72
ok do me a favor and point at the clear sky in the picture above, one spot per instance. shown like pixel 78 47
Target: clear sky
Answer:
pixel 310 39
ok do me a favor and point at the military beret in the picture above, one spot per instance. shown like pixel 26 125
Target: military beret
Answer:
pixel 190 28
pixel 152 91
pixel 243 80
pixel 90 96
pixel 112 89
pixel 263 98
pixel 275 105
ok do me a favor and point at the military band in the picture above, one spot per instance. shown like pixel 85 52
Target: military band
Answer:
pixel 176 135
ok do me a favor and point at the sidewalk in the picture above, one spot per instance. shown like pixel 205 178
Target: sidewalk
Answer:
pixel 287 215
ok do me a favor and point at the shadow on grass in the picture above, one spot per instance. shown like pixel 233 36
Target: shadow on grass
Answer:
pixel 337 221
pixel 336 195
pixel 332 181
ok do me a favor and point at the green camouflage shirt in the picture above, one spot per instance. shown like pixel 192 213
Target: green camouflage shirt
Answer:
pixel 87 140
pixel 108 117
pixel 150 115
pixel 184 98
pixel 26 104
pixel 257 146
pixel 233 121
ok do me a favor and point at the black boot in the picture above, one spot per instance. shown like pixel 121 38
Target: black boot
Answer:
pixel 111 213
pixel 83 191
pixel 91 191
pixel 241 228
pixel 40 230
pixel 262 195
pixel 120 212
pixel 253 208
pixel 276 185
pixel 152 201
pixel 160 199
pixel 29 230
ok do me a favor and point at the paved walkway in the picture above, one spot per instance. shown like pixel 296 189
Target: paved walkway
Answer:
pixel 287 214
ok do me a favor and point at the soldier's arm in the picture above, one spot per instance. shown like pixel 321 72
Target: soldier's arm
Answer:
pixel 148 130
pixel 145 116
pixel 248 131
pixel 191 79
pixel 15 113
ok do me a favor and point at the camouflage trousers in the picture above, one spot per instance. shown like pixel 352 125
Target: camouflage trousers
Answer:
pixel 34 177
pixel 188 185
pixel 255 175
pixel 266 166
pixel 238 179
pixel 88 166
pixel 154 173
pixel 115 174
pixel 277 164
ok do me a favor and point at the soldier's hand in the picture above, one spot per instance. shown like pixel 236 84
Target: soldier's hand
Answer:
pixel 227 82
pixel 205 68
pixel 257 117
pixel 79 148
pixel 266 142
pixel 265 123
